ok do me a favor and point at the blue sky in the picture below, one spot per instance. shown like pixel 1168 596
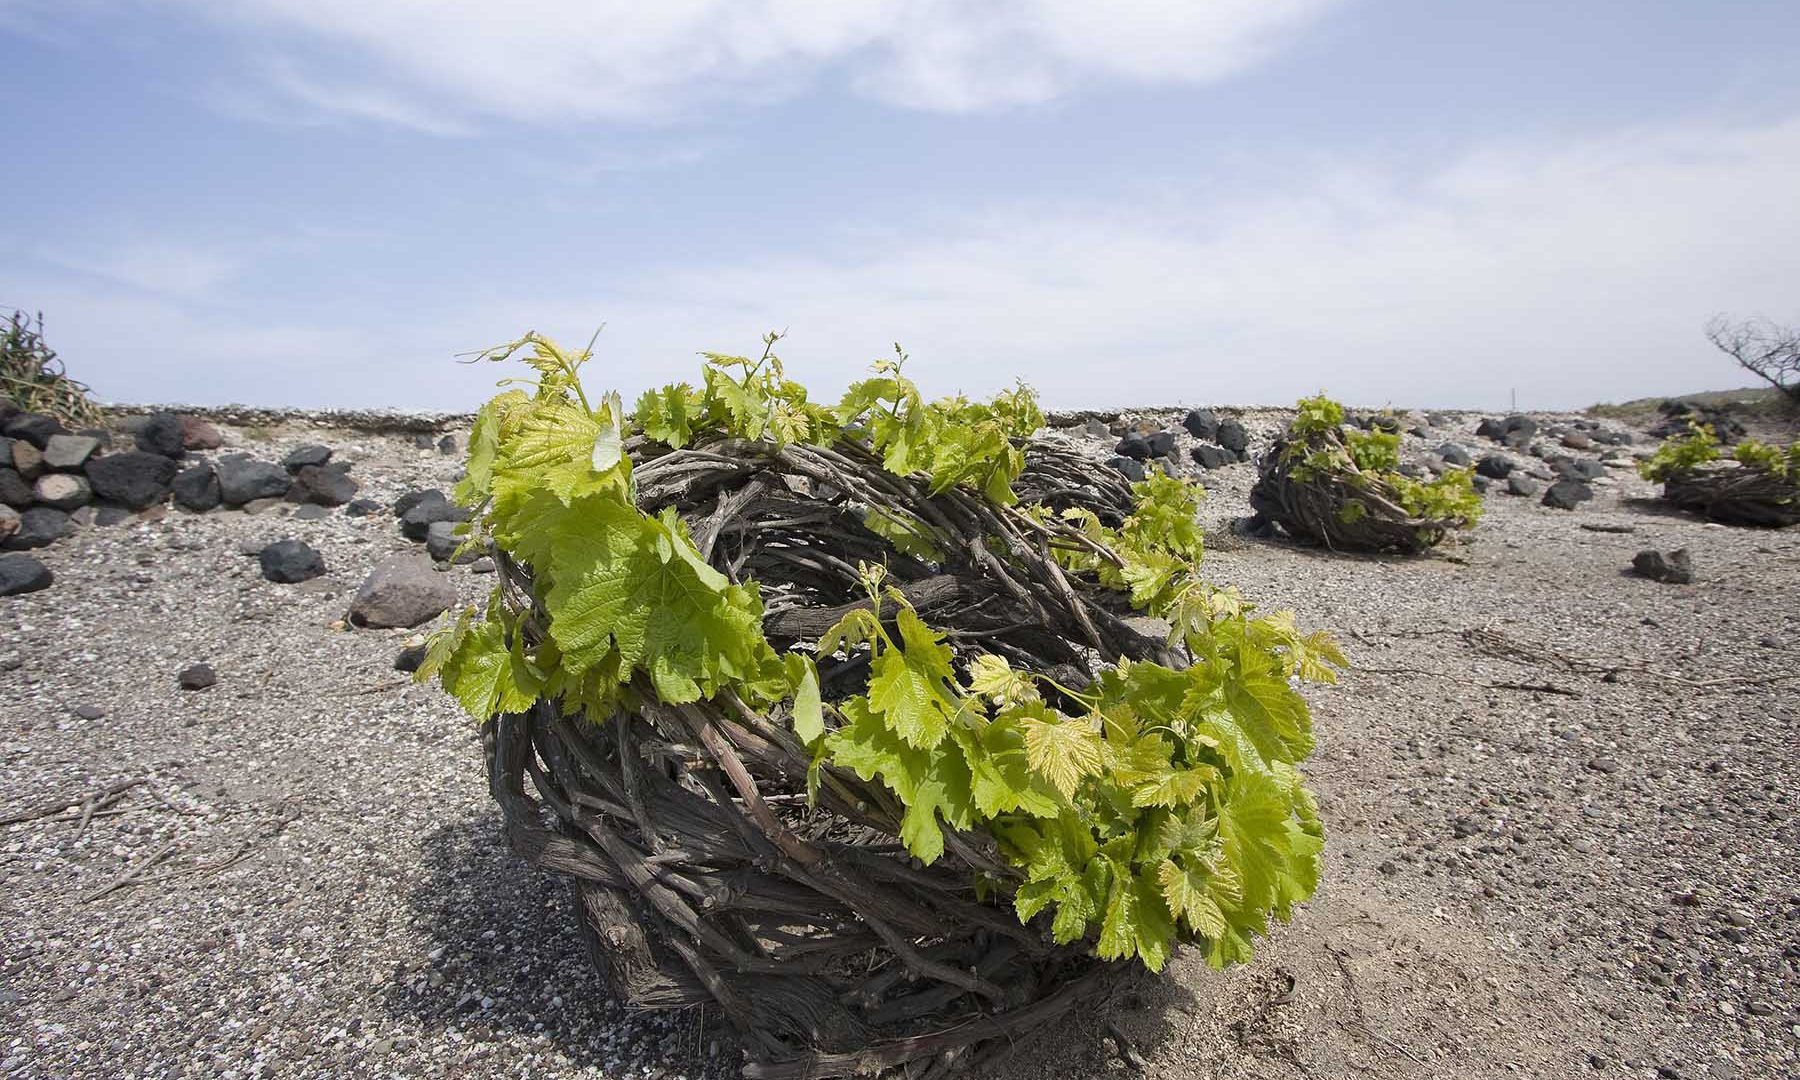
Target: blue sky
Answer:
pixel 322 202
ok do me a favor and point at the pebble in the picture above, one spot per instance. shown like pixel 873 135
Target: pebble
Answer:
pixel 197 677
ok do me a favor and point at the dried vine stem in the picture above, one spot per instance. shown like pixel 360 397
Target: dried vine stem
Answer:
pixel 1735 494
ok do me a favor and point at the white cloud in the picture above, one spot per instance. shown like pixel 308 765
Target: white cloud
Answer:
pixel 436 63
pixel 1573 272
pixel 154 265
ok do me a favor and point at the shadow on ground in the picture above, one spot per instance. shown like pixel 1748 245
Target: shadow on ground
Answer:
pixel 506 955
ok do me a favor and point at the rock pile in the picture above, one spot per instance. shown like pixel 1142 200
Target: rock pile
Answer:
pixel 52 478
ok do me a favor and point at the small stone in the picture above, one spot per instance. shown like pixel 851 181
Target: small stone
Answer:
pixel 1604 765
pixel 441 542
pixel 134 479
pixel 22 574
pixel 312 512
pixel 433 507
pixel 1135 447
pixel 1494 466
pixel 197 434
pixel 289 562
pixel 69 452
pixel 1233 436
pixel 482 565
pixel 310 454
pixel 9 522
pixel 64 491
pixel 361 508
pixel 1675 568
pixel 410 658
pixel 39 526
pixel 196 488
pixel 89 712
pixel 401 591
pixel 1453 454
pixel 1209 457
pixel 27 459
pixel 1738 918
pixel 321 485
pixel 161 434
pixel 15 490
pixel 1162 443
pixel 1201 424
pixel 1567 494
pixel 243 480
pixel 33 428
pixel 261 506
pixel 447 445
pixel 1521 485
pixel 197 677
pixel 1130 468
pixel 1770 641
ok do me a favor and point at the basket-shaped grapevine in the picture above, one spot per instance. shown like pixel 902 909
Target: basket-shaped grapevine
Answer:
pixel 1333 485
pixel 1757 485
pixel 844 719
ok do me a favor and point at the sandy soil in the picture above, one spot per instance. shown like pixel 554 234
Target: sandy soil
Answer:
pixel 1561 803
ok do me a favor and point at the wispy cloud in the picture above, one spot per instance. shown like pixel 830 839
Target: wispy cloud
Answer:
pixel 1572 271
pixel 444 64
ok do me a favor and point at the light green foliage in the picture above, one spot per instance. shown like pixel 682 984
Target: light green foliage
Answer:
pixel 1320 443
pixel 1151 807
pixel 1681 453
pixel 1684 453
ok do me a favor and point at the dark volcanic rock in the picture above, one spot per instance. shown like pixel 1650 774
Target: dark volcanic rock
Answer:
pixel 245 480
pixel 323 485
pixel 22 574
pixel 1201 424
pixel 1233 436
pixel 1521 485
pixel 135 478
pixel 1135 447
pixel 161 434
pixel 409 658
pixel 1567 494
pixel 447 445
pixel 1208 456
pixel 1494 466
pixel 312 512
pixel 1675 568
pixel 197 677
pixel 1454 455
pixel 417 521
pixel 413 498
pixel 196 488
pixel 1162 443
pixel 362 508
pixel 34 428
pixel 402 590
pixel 1577 468
pixel 1130 467
pixel 39 527
pixel 289 562
pixel 310 454
pixel 14 491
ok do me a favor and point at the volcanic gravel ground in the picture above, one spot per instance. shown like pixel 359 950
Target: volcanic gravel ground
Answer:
pixel 1560 799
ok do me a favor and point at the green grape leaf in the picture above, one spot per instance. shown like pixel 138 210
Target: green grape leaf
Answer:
pixel 1060 750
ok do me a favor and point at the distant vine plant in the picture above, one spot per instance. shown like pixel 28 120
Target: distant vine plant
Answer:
pixel 1157 805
